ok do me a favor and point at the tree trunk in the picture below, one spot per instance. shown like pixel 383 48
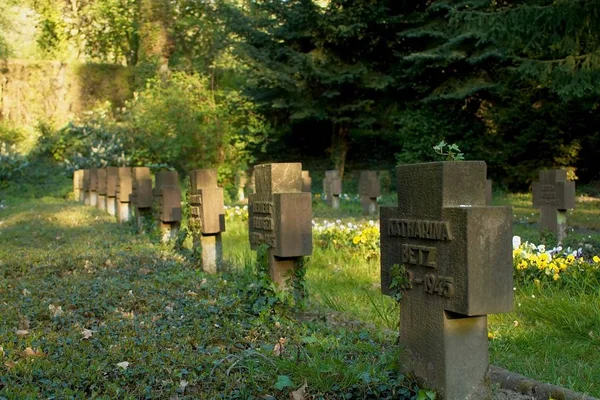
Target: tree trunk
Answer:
pixel 339 146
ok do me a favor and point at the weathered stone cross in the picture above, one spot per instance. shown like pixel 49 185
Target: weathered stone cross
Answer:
pixel 457 255
pixel 280 216
pixel 141 194
pixel 167 199
pixel 207 217
pixel 101 189
pixel 112 174
pixel 369 190
pixel 554 195
pixel 123 191
pixel 332 187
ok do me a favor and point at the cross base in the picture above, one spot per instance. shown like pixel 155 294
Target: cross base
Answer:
pixel 123 212
pixel 555 221
pixel 369 206
pixel 334 200
pixel 94 199
pixel 101 202
pixel 450 356
pixel 86 198
pixel 169 230
pixel 142 215
pixel 111 207
pixel 281 269
pixel 212 252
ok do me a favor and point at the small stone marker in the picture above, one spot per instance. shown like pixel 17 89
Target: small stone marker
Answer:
pixel 457 254
pixel 141 194
pixel 280 216
pixel 167 200
pixel 306 182
pixel 488 192
pixel 241 185
pixel 101 189
pixel 207 217
pixel 332 187
pixel 86 187
pixel 112 175
pixel 123 191
pixel 554 195
pixel 369 190
pixel 78 185
pixel 94 187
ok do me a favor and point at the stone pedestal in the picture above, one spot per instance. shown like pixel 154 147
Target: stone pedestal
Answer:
pixel 87 198
pixel 334 200
pixel 101 202
pixel 124 212
pixel 211 247
pixel 111 206
pixel 94 199
pixel 281 269
pixel 169 230
pixel 369 206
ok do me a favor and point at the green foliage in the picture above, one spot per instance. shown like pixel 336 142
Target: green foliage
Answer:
pixel 91 142
pixel 12 163
pixel 451 152
pixel 183 123
pixel 400 281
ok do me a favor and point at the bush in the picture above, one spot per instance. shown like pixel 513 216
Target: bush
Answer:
pixel 11 162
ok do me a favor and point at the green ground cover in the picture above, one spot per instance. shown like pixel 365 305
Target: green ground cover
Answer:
pixel 92 309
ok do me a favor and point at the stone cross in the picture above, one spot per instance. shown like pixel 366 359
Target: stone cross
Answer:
pixel 207 218
pixel 78 185
pixel 141 194
pixel 306 182
pixel 112 175
pixel 452 257
pixel 86 187
pixel 332 187
pixel 123 191
pixel 369 190
pixel 554 195
pixel 167 200
pixel 101 189
pixel 280 217
pixel 93 187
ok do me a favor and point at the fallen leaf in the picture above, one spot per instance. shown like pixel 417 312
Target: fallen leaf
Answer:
pixel 56 311
pixel 144 271
pixel 300 393
pixel 26 292
pixel 22 332
pixel 29 352
pixel 1 351
pixel 23 324
pixel 123 364
pixel 87 333
pixel 516 323
pixel 279 346
pixel 193 294
pixel 182 385
pixel 169 308
pixel 10 364
pixel 591 334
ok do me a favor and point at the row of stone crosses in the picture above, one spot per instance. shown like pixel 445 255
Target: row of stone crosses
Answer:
pixel 455 251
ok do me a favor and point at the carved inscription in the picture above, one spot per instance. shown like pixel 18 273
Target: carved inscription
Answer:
pixel 262 219
pixel 419 229
pixel 548 196
pixel 433 284
pixel 418 255
pixel 196 199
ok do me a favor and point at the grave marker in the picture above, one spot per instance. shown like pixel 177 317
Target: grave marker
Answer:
pixel 457 254
pixel 332 187
pixel 554 195
pixel 123 191
pixel 94 187
pixel 141 194
pixel 369 190
pixel 112 175
pixel 207 217
pixel 167 203
pixel 280 216
pixel 78 185
pixel 306 182
pixel 86 187
pixel 101 189
pixel 241 185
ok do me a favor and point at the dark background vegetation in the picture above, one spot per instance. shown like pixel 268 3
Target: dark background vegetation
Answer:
pixel 346 84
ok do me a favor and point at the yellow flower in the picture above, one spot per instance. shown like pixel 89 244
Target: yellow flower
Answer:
pixel 555 277
pixel 544 257
pixel 490 335
pixel 522 264
pixel 356 239
pixel 596 259
pixel 570 258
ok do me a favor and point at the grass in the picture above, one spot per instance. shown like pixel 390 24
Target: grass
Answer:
pixel 92 310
